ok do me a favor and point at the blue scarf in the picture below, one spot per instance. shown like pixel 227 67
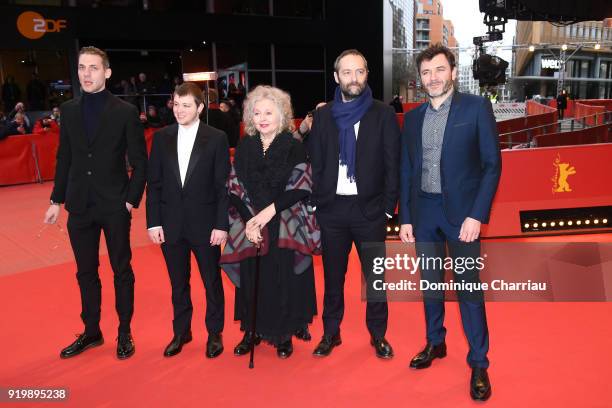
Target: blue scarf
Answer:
pixel 346 114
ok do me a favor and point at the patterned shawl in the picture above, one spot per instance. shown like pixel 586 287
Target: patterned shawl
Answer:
pixel 298 227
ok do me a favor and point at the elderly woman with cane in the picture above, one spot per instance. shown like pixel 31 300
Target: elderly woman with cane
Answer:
pixel 273 235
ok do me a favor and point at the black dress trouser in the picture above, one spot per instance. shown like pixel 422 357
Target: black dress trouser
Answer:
pixel 84 230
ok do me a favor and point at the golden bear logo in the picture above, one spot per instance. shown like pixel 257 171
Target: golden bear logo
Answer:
pixel 562 172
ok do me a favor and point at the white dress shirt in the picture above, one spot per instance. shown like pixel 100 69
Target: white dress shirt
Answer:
pixel 345 185
pixel 184 144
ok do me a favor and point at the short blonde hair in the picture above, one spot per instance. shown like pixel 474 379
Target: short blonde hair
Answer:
pixel 281 100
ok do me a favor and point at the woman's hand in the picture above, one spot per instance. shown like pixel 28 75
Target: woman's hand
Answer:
pixel 262 218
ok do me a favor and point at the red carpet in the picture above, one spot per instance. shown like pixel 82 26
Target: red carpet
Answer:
pixel 542 354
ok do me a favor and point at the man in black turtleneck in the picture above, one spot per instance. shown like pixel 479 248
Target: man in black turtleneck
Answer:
pixel 91 178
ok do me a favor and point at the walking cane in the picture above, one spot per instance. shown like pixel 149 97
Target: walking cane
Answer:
pixel 254 309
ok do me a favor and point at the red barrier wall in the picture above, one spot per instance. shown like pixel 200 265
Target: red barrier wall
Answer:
pixel 528 177
pixel 586 111
pixel 17 163
pixel 597 134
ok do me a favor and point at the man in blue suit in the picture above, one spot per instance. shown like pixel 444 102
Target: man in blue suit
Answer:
pixel 449 172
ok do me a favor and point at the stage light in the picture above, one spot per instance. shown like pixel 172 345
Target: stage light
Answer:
pixel 531 48
pixel 388 229
pixel 597 46
pixel 595 221
pixel 552 224
pixel 564 47
pixel 535 225
pixel 396 229
pixel 543 225
pixel 587 222
pixel 191 50
pixel 561 223
pixel 578 222
pixel 605 220
pixel 526 226
pixel 570 222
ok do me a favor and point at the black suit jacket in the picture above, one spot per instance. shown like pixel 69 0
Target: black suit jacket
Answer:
pixel 100 166
pixel 377 161
pixel 194 209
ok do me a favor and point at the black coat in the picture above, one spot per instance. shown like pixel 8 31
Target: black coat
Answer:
pixel 377 161
pixel 194 209
pixel 98 169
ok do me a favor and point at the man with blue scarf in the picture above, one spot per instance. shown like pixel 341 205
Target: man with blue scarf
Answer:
pixel 354 148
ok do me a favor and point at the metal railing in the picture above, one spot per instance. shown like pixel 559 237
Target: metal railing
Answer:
pixel 573 122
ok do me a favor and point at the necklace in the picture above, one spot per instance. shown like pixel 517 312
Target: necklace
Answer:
pixel 266 143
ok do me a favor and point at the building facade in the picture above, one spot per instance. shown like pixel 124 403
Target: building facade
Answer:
pixel 588 59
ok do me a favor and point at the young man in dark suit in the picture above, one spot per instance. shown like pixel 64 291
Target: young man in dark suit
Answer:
pixel 450 168
pixel 187 211
pixel 91 178
pixel 354 149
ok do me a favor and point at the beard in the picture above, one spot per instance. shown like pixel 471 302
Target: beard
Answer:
pixel 447 86
pixel 349 94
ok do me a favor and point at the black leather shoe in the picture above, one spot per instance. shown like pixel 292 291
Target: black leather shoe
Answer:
pixel 326 345
pixel 425 357
pixel 176 345
pixel 303 334
pixel 284 350
pixel 125 346
pixel 82 343
pixel 480 386
pixel 245 344
pixel 383 348
pixel 214 345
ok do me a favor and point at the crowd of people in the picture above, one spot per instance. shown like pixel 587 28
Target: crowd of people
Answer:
pixel 288 195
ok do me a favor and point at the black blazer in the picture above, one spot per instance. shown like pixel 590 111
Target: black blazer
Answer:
pixel 100 166
pixel 195 209
pixel 377 161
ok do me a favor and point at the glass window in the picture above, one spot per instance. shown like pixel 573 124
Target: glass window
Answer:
pixel 299 8
pixel 303 56
pixel 306 89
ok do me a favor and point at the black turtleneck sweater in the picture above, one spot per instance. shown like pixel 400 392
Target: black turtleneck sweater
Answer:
pixel 92 105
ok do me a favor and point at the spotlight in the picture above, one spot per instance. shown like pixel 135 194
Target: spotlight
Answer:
pixel 561 223
pixel 388 229
pixel 597 46
pixel 605 220
pixel 543 225
pixel 570 223
pixel 526 226
pixel 191 50
pixel 595 221
pixel 535 225
pixel 578 222
pixel 564 47
pixel 396 229
pixel 587 222
pixel 552 224
pixel 531 48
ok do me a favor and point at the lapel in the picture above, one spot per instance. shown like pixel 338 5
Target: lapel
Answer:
pixel 452 115
pixel 173 152
pixel 418 126
pixel 105 117
pixel 77 122
pixel 196 152
pixel 333 141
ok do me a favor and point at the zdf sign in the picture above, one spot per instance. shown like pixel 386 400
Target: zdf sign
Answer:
pixel 33 26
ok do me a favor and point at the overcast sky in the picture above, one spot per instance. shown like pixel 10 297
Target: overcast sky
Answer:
pixel 467 20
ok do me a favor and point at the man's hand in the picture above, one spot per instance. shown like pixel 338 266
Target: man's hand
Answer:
pixel 405 233
pixel 19 107
pixel 52 214
pixel 218 237
pixel 157 235
pixel 129 207
pixel 470 230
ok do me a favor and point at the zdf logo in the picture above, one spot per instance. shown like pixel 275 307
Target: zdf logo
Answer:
pixel 33 26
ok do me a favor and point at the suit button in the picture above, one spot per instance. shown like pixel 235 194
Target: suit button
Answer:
pixel 88 172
